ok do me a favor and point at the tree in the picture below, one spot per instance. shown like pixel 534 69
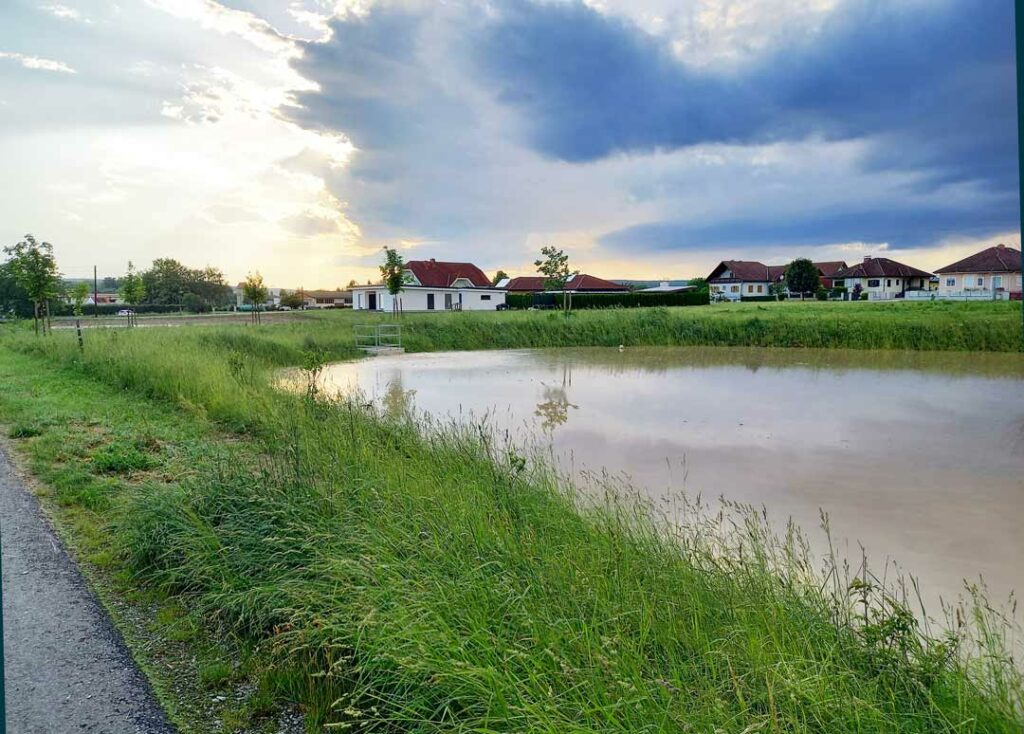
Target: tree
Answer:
pixel 79 293
pixel 291 299
pixel 802 276
pixel 777 289
pixel 698 284
pixel 393 273
pixel 35 271
pixel 498 277
pixel 13 298
pixel 555 269
pixel 255 293
pixel 132 290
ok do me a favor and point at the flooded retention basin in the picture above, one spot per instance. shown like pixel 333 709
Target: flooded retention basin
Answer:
pixel 918 456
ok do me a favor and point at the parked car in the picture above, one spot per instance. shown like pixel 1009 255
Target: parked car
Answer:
pixel 125 312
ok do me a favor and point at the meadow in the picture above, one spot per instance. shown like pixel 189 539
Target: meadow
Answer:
pixel 384 573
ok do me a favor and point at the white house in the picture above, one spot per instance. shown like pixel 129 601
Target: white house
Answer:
pixel 734 279
pixel 991 273
pixel 433 286
pixel 883 279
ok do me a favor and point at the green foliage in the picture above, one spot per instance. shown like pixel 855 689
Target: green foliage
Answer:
pixel 802 276
pixel 498 277
pixel 292 299
pixel 33 268
pixel 554 266
pixel 124 457
pixel 133 289
pixel 608 300
pixel 821 293
pixel 24 430
pixel 253 290
pixel 392 271
pixel 79 294
pixel 195 304
pixel 168 281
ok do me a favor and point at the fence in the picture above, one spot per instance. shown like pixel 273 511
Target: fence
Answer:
pixel 378 336
pixel 957 296
pixel 606 300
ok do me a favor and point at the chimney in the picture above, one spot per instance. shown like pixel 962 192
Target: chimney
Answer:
pixel 867 257
pixel 433 260
pixel 1001 246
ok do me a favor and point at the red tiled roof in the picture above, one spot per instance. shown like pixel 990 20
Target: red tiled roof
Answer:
pixel 998 259
pixel 830 268
pixel 582 282
pixel 741 270
pixel 435 274
pixel 880 267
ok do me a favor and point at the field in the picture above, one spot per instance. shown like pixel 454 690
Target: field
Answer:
pixel 384 574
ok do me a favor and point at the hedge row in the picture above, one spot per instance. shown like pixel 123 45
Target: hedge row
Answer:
pixel 607 300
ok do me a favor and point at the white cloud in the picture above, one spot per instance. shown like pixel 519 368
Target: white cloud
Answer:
pixel 35 62
pixel 64 12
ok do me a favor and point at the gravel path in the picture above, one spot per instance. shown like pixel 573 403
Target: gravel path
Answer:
pixel 66 668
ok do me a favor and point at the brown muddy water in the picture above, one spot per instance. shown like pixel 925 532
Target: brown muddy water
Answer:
pixel 918 457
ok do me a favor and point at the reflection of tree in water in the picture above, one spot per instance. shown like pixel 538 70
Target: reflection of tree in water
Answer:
pixel 554 409
pixel 397 401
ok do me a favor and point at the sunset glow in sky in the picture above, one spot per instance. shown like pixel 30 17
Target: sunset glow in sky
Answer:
pixel 650 138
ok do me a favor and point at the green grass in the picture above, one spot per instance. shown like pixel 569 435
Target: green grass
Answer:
pixel 397 577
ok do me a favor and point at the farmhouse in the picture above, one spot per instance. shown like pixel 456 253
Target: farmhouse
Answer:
pixel 736 279
pixel 883 279
pixel 431 285
pixel 994 272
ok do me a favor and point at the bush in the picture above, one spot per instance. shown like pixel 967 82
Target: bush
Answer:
pixel 111 309
pixel 763 299
pixel 821 293
pixel 195 304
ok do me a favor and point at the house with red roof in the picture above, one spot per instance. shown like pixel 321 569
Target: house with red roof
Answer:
pixel 433 285
pixel 883 279
pixel 733 280
pixel 994 272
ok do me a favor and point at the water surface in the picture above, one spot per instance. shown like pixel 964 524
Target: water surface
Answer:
pixel 918 456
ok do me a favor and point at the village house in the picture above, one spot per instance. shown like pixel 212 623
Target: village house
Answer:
pixel 736 279
pixel 431 285
pixel 580 283
pixel 883 279
pixel 992 273
pixel 326 299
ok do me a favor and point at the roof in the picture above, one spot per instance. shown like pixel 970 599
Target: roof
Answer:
pixel 667 288
pixel 580 283
pixel 435 274
pixel 326 294
pixel 880 267
pixel 998 259
pixel 741 270
pixel 830 267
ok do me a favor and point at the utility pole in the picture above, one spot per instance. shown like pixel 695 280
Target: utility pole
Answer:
pixel 95 294
pixel 1019 8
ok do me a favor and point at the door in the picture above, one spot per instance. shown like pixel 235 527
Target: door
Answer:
pixel 430 301
pixel 448 301
pixel 372 301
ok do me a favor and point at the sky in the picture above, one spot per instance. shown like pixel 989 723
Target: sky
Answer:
pixel 647 138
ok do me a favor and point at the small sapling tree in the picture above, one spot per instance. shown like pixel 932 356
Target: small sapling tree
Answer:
pixel 393 273
pixel 35 270
pixel 255 293
pixel 554 266
pixel 79 294
pixel 132 291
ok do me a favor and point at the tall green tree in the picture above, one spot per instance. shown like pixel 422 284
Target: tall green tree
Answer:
pixel 802 276
pixel 34 269
pixel 254 292
pixel 392 270
pixel 554 266
pixel 498 277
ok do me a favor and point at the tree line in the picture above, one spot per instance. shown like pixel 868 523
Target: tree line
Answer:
pixel 31 285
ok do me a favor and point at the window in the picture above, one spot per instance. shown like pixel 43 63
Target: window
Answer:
pixel 359 300
pixel 734 289
pixel 760 289
pixel 997 281
pixel 950 282
pixel 485 298
pixel 888 283
pixel 981 281
pixel 874 283
pixel 750 288
pixel 430 301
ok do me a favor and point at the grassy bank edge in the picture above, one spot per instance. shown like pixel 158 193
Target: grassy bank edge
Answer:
pixel 173 650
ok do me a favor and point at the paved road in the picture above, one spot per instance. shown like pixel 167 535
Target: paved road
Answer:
pixel 66 667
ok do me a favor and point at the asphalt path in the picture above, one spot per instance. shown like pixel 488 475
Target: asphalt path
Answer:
pixel 66 667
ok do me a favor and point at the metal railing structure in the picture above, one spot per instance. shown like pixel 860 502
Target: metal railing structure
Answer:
pixel 378 336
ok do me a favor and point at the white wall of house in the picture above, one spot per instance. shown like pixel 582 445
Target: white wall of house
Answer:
pixel 883 289
pixel 417 298
pixel 744 289
pixel 955 284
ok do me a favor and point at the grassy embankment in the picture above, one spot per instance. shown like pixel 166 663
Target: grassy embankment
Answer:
pixel 395 579
pixel 938 326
